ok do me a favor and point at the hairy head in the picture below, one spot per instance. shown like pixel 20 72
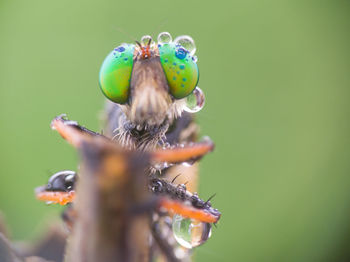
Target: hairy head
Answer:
pixel 149 81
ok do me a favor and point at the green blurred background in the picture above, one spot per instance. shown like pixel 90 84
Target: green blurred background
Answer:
pixel 276 78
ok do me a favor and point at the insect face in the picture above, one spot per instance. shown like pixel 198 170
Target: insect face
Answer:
pixel 150 80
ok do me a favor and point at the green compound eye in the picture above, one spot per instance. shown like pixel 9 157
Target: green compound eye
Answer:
pixel 115 73
pixel 180 69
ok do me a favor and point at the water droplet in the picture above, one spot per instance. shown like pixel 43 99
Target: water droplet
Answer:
pixel 164 38
pixel 146 39
pixel 186 42
pixel 195 101
pixel 190 233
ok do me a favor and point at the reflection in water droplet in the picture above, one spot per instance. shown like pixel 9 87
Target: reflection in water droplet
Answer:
pixel 145 40
pixel 186 42
pixel 195 101
pixel 190 233
pixel 164 38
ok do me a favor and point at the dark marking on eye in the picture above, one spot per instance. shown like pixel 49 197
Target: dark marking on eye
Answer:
pixel 120 49
pixel 181 53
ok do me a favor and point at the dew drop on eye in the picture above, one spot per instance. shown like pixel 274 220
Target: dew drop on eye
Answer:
pixel 146 39
pixel 190 233
pixel 187 42
pixel 164 38
pixel 195 101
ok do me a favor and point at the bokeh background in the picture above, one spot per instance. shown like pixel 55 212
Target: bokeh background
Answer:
pixel 276 75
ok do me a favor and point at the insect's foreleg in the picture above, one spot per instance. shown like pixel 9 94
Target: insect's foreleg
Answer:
pixel 71 130
pixel 183 153
pixel 54 197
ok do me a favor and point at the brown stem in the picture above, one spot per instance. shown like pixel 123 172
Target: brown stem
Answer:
pixel 111 183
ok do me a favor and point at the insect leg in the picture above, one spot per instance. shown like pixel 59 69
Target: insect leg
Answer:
pixel 176 199
pixel 183 153
pixel 54 197
pixel 59 189
pixel 62 118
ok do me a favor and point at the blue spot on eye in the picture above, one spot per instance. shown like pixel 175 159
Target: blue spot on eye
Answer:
pixel 125 58
pixel 181 53
pixel 178 72
pixel 159 45
pixel 174 78
pixel 182 67
pixel 184 79
pixel 165 60
pixel 182 85
pixel 174 63
pixel 120 49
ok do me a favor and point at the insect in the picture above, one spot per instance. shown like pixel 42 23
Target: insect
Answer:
pixel 152 94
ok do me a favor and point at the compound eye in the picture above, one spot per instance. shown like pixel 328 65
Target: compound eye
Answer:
pixel 115 73
pixel 180 69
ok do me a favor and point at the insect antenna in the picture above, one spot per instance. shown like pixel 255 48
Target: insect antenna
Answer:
pixel 138 43
pixel 149 42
